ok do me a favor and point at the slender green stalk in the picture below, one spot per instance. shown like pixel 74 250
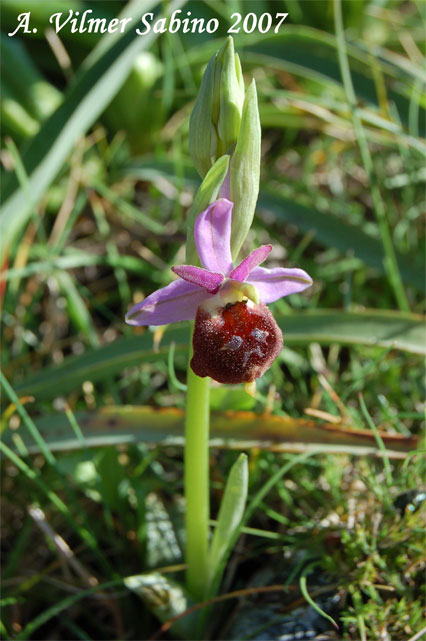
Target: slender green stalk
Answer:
pixel 390 262
pixel 197 482
pixel 307 596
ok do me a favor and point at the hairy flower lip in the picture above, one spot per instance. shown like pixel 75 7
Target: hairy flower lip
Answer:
pixel 237 345
pixel 180 300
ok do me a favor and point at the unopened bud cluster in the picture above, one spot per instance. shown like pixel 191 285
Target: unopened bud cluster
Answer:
pixel 225 132
pixel 216 118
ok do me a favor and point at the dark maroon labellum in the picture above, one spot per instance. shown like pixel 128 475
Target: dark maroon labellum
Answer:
pixel 236 345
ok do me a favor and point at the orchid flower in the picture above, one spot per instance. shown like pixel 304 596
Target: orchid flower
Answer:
pixel 236 338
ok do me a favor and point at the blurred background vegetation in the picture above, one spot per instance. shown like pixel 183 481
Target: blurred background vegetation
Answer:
pixel 96 184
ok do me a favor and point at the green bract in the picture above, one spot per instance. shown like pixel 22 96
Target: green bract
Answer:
pixel 245 171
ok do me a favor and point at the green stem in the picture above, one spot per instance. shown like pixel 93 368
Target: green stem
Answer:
pixel 197 482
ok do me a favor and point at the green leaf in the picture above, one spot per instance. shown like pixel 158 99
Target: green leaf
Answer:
pixel 229 520
pixel 94 88
pixel 114 425
pixel 102 363
pixel 389 329
pixel 375 328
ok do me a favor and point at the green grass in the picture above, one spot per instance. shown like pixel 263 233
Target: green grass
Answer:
pixel 93 219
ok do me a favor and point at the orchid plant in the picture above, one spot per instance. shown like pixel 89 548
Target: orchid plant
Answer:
pixel 235 336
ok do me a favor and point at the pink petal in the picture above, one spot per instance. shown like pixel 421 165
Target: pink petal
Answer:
pixel 248 264
pixel 212 233
pixel 273 284
pixel 176 302
pixel 198 276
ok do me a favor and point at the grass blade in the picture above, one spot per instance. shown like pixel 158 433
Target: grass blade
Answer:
pixel 85 101
pixel 309 599
pixel 60 606
pixel 390 261
pixel 32 429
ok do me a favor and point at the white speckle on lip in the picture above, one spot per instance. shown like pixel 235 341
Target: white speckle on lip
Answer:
pixel 259 335
pixel 248 353
pixel 234 343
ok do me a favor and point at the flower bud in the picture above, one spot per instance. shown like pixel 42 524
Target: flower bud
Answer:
pixel 201 129
pixel 216 117
pixel 231 91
